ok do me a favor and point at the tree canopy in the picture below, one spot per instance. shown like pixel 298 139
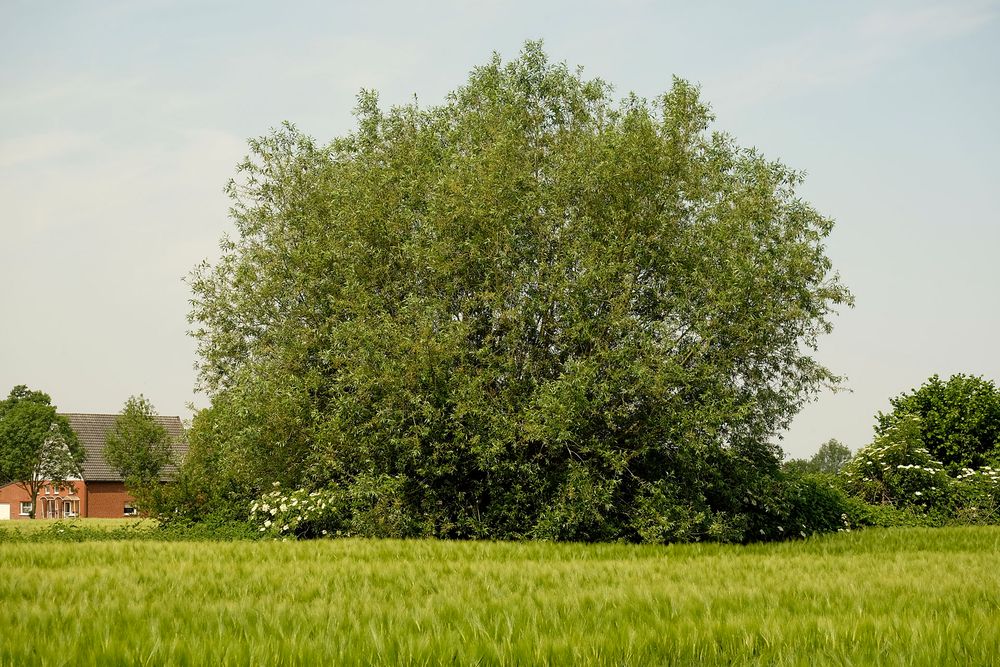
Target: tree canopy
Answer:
pixel 831 457
pixel 959 419
pixel 530 311
pixel 37 446
pixel 138 447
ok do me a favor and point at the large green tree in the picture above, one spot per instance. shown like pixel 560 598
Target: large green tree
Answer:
pixel 959 419
pixel 139 447
pixel 37 446
pixel 530 311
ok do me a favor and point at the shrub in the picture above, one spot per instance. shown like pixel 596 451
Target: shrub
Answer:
pixel 804 504
pixel 887 516
pixel 959 419
pixel 976 496
pixel 897 470
pixel 299 513
pixel 817 504
pixel 177 531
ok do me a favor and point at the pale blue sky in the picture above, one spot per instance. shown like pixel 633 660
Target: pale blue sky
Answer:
pixel 121 122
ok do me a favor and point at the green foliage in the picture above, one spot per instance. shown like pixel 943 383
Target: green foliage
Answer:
pixel 831 457
pixel 204 489
pixel 896 469
pixel 139 447
pixel 529 312
pixel 817 504
pixel 976 497
pixel 206 529
pixel 898 472
pixel 959 418
pixel 147 530
pixel 889 516
pixel 37 446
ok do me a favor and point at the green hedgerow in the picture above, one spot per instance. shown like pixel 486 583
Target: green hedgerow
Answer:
pixel 897 471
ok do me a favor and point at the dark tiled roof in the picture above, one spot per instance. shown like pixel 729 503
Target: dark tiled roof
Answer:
pixel 92 430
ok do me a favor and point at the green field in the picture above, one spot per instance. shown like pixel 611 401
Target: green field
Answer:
pixel 901 596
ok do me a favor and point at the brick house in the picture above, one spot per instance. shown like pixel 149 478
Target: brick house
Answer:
pixel 100 491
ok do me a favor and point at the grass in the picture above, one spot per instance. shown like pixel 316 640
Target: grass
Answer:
pixel 892 597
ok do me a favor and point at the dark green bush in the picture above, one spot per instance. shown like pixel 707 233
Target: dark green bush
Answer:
pixel 804 504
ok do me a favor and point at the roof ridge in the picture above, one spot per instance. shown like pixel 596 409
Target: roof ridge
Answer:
pixel 95 414
pixel 109 414
pixel 104 414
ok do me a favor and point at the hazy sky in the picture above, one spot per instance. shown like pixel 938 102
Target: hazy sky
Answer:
pixel 120 123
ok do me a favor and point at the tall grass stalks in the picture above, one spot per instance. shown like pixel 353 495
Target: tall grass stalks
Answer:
pixel 881 597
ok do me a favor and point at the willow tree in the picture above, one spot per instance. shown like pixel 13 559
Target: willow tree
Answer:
pixel 530 311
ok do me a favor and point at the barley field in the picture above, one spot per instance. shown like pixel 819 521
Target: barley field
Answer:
pixel 873 597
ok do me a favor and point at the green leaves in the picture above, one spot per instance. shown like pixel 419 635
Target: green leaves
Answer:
pixel 138 447
pixel 959 419
pixel 502 300
pixel 831 457
pixel 37 446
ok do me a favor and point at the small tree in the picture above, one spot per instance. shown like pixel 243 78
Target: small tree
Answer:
pixel 138 447
pixel 959 420
pixel 37 446
pixel 831 457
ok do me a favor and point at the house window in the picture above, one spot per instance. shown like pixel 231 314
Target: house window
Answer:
pixel 25 508
pixel 129 510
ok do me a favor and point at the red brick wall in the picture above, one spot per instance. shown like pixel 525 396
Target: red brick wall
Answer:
pixel 13 495
pixel 106 500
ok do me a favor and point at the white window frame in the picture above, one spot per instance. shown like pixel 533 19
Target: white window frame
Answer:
pixel 129 510
pixel 23 503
